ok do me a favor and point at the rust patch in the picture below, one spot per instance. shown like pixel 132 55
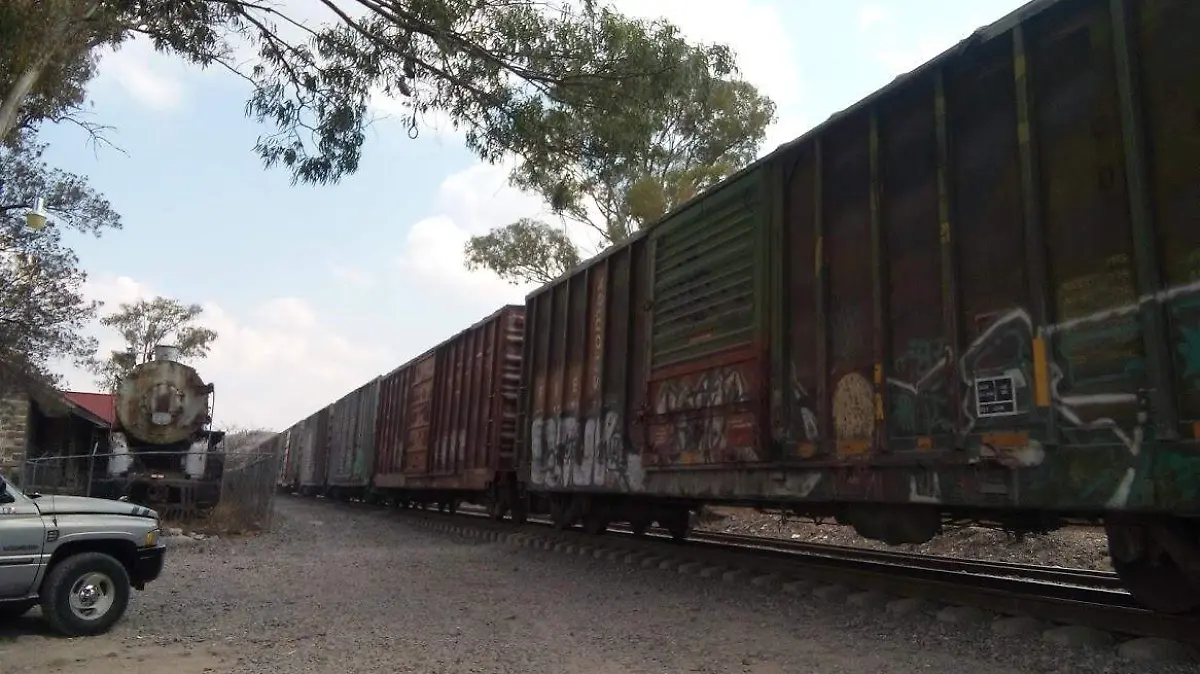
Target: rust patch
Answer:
pixel 925 443
pixel 853 449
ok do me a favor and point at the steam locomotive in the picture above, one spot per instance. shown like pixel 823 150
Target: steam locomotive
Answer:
pixel 164 454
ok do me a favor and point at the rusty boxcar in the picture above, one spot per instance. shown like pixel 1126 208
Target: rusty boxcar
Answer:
pixel 973 295
pixel 313 450
pixel 446 424
pixel 351 429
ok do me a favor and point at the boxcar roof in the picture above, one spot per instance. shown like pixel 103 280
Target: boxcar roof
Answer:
pixel 978 36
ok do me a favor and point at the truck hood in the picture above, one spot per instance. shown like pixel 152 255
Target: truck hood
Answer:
pixel 80 505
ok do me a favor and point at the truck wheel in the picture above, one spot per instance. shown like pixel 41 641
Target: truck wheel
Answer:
pixel 85 594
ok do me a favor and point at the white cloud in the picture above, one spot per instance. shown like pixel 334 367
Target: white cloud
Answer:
pixel 869 15
pixel 148 77
pixel 468 203
pixel 358 279
pixel 270 366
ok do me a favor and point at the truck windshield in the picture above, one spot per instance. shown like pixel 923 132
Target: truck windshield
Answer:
pixel 10 487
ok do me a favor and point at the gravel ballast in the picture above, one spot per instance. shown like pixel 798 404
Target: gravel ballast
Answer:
pixel 351 589
pixel 1073 547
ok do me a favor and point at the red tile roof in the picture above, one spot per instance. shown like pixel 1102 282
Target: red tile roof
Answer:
pixel 99 404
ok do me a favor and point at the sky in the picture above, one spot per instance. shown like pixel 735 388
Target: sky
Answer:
pixel 314 291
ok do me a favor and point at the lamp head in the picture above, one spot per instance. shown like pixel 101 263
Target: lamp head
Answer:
pixel 36 218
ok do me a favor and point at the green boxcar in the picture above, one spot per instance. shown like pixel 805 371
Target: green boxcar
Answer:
pixel 975 293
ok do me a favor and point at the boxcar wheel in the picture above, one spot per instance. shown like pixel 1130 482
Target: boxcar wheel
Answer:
pixel 1152 576
pixel 559 514
pixel 595 524
pixel 496 507
pixel 679 525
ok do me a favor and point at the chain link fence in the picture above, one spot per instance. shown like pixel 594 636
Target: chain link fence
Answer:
pixel 228 493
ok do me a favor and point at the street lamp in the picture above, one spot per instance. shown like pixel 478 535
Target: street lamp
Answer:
pixel 36 218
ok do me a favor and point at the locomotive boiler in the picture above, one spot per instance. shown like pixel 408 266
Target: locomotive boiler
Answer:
pixel 165 455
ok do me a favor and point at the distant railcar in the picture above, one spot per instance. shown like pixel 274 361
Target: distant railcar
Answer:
pixel 446 425
pixel 351 435
pixel 314 448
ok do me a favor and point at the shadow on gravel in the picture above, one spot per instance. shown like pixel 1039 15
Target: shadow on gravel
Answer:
pixel 28 625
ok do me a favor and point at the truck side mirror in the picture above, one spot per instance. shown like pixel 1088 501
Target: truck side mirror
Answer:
pixel 6 497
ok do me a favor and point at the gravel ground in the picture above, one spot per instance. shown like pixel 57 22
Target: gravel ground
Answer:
pixel 345 590
pixel 1076 547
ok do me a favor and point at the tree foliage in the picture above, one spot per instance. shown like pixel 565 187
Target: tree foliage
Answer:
pixel 615 173
pixel 43 312
pixel 506 71
pixel 527 250
pixel 145 324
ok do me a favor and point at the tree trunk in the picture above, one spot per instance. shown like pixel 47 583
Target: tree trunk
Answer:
pixel 11 105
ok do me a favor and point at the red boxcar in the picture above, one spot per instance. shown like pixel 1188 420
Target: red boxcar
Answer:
pixel 446 424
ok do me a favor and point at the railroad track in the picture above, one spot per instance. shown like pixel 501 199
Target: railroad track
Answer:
pixel 1055 595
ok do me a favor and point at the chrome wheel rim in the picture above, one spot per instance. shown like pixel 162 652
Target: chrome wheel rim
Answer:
pixel 92 595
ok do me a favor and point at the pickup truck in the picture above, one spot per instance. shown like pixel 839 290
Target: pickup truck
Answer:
pixel 77 557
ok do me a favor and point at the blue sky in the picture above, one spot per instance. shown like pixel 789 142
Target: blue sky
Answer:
pixel 314 290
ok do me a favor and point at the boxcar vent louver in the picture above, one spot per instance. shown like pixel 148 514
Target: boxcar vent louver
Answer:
pixel 704 280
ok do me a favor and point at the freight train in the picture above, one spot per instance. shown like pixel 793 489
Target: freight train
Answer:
pixel 164 455
pixel 973 296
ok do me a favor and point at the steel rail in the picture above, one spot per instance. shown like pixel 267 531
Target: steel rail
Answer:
pixel 1052 594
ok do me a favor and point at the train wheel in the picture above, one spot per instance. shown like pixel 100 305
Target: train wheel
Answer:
pixel 496 506
pixel 595 523
pixel 639 527
pixel 1153 575
pixel 520 512
pixel 452 506
pixel 679 524
pixel 559 514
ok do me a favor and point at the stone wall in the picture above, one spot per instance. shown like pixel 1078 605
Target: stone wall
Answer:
pixel 14 421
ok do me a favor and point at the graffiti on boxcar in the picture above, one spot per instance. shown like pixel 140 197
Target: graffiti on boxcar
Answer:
pixel 564 455
pixel 920 408
pixel 925 487
pixel 802 410
pixel 1188 346
pixel 712 388
pixel 700 424
pixel 1011 334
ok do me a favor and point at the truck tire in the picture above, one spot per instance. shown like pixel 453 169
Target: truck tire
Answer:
pixel 85 594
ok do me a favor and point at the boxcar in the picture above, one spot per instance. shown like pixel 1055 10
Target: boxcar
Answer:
pixel 287 480
pixel 313 450
pixel 973 295
pixel 351 429
pixel 446 425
